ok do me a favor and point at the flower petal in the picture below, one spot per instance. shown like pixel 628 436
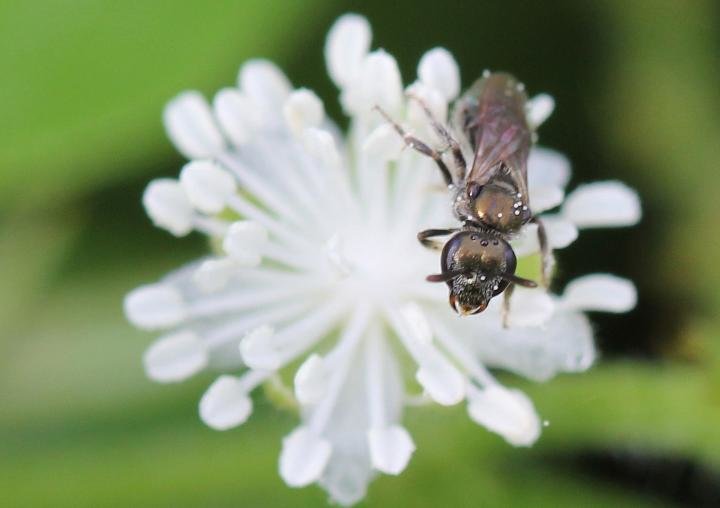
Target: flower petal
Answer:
pixel 175 357
pixel 347 44
pixel 213 274
pixel 442 381
pixel 244 241
pixel 439 70
pixel 168 206
pixel 506 412
pixel 303 109
pixel 545 197
pixel 383 143
pixel 154 306
pixel 207 186
pixel 311 380
pixel 560 231
pixel 258 350
pixel 379 84
pixel 547 167
pixel 237 114
pixel 225 404
pixel 603 204
pixel 191 127
pixel 390 449
pixel 304 457
pixel 530 307
pixel 266 85
pixel 539 109
pixel 417 324
pixel 602 292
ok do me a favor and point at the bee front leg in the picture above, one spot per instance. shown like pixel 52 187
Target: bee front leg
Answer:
pixel 505 312
pixel 420 146
pixel 424 237
pixel 547 259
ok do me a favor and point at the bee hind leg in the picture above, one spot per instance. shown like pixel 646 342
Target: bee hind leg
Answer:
pixel 424 237
pixel 419 146
pixel 546 255
pixel 442 131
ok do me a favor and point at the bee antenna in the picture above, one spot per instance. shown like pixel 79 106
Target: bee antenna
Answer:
pixel 443 277
pixel 527 283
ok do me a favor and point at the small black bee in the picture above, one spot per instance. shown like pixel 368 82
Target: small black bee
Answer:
pixel 490 197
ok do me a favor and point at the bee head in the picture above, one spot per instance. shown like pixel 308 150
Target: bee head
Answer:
pixel 476 266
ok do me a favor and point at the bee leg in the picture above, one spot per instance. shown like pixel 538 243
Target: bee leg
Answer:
pixel 505 312
pixel 547 259
pixel 424 237
pixel 421 147
pixel 445 135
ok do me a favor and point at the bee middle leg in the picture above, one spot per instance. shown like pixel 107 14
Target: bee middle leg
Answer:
pixel 547 260
pixel 424 237
pixel 420 146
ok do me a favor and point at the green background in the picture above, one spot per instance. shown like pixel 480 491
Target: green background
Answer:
pixel 82 87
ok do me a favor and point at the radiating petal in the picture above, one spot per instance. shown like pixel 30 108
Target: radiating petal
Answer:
pixel 168 206
pixel 545 197
pixel 244 242
pixel 539 109
pixel 155 306
pixel 237 114
pixel 600 292
pixel 530 307
pixel 225 404
pixel 603 204
pixel 560 231
pixel 390 449
pixel 303 109
pixel 439 70
pixel 207 186
pixel 266 85
pixel 547 167
pixel 175 357
pixel 379 84
pixel 304 457
pixel 190 125
pixel 347 44
pixel 506 412
pixel 311 380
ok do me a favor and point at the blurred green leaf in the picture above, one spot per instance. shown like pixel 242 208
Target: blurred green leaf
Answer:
pixel 86 82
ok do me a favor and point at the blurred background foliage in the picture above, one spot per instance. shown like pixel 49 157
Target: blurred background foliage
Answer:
pixel 82 89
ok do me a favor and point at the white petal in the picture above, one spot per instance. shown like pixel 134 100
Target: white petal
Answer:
pixel 384 143
pixel 175 357
pixel 547 167
pixel 526 242
pixel 207 186
pixel 545 197
pixel 539 109
pixel 303 109
pixel 303 458
pixel 603 204
pixel 439 70
pixel 506 412
pixel 416 322
pixel 390 449
pixel 347 44
pixel 601 292
pixel 416 116
pixel 311 380
pixel 258 350
pixel 442 381
pixel 379 84
pixel 190 125
pixel 154 306
pixel 560 231
pixel 320 144
pixel 168 206
pixel 237 113
pixel 530 307
pixel 213 274
pixel 225 404
pixel 244 241
pixel 266 85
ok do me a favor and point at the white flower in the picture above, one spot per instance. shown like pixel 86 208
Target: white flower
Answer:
pixel 317 259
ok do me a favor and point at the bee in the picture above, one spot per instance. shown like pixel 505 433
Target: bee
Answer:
pixel 489 196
